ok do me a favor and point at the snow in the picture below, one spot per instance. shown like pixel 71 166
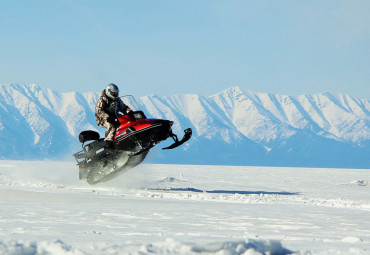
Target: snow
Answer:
pixel 184 209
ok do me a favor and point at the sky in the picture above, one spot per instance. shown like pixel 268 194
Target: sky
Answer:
pixel 169 47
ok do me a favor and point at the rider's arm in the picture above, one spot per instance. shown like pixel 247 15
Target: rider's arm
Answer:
pixel 124 108
pixel 100 109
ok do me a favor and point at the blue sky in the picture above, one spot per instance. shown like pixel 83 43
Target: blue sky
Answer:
pixel 193 46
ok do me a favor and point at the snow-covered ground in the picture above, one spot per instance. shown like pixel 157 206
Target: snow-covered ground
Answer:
pixel 182 209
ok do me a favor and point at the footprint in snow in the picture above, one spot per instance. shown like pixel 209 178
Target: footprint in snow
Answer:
pixel 170 179
pixel 360 182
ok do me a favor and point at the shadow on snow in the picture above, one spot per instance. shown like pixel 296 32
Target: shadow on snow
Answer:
pixel 241 192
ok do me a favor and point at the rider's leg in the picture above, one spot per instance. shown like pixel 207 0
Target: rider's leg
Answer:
pixel 109 135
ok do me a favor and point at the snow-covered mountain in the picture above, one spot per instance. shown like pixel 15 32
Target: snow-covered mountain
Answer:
pixel 235 126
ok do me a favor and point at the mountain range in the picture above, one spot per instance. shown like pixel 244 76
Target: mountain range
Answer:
pixel 234 127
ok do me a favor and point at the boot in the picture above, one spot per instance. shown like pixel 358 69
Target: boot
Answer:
pixel 109 144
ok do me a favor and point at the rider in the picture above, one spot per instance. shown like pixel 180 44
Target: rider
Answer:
pixel 105 111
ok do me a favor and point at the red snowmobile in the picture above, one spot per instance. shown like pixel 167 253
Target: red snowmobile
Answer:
pixel 135 136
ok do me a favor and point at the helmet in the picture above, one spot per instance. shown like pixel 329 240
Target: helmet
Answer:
pixel 112 91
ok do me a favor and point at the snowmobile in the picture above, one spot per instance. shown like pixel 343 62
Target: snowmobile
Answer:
pixel 135 135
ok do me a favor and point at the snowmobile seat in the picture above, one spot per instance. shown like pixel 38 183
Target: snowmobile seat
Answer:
pixel 88 135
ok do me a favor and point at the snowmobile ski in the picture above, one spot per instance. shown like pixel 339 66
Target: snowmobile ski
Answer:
pixel 188 132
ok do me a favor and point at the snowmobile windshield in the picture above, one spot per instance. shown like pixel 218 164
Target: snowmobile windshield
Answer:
pixel 131 102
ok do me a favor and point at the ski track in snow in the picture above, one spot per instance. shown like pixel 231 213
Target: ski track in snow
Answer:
pixel 178 209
